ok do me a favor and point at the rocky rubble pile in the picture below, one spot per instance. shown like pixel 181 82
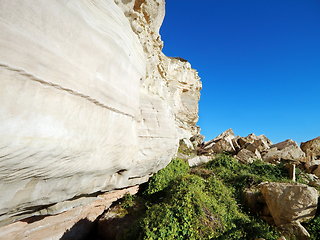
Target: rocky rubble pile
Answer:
pixel 285 205
pixel 252 147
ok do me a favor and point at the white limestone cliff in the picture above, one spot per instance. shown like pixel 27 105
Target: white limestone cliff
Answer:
pixel 88 104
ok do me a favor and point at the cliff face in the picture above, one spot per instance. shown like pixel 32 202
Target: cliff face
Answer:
pixel 89 103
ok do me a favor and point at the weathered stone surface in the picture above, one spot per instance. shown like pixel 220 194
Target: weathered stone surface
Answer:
pixel 294 230
pixel 227 135
pixel 235 143
pixel 188 143
pixel 311 148
pixel 222 142
pixel 312 165
pixel 252 137
pixel 258 144
pixel 197 139
pixel 286 150
pixel 282 145
pixel 223 145
pixel 246 156
pixel 72 224
pixel 317 171
pixel 88 101
pixel 289 202
pixel 196 161
pixel 171 79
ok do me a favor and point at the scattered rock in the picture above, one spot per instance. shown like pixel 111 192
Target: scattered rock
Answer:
pixel 196 161
pixel 258 144
pixel 286 150
pixel 294 230
pixel 315 183
pixel 311 148
pixel 188 143
pixel 251 137
pixel 312 165
pixel 235 143
pixel 197 139
pixel 228 135
pixel 317 171
pixel 223 145
pixel 288 202
pixel 223 142
pixel 284 144
pixel 246 156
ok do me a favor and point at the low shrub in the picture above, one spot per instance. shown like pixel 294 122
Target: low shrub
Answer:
pixel 200 203
pixel 163 177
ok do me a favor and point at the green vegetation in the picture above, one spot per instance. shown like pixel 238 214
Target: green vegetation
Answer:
pixel 200 203
pixel 313 227
pixel 183 149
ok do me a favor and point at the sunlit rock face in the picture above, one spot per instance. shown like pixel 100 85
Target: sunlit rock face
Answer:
pixel 170 79
pixel 88 101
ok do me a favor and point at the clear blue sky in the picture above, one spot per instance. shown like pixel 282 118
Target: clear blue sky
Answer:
pixel 259 63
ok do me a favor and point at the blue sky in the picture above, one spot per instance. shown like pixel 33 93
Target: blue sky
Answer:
pixel 259 63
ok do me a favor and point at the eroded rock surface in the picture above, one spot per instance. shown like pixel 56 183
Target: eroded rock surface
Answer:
pixel 294 230
pixel 88 103
pixel 289 202
pixel 286 150
pixel 311 148
pixel 73 224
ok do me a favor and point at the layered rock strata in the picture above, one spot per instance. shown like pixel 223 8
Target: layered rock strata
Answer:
pixel 73 224
pixel 89 103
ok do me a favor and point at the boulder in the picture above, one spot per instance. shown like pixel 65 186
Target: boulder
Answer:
pixel 197 139
pixel 258 144
pixel 271 155
pixel 222 142
pixel 312 165
pixel 294 230
pixel 235 143
pixel 246 156
pixel 251 137
pixel 242 142
pixel 223 145
pixel 311 148
pixel 196 161
pixel 227 135
pixel 288 202
pixel 317 171
pixel 188 143
pixel 286 150
pixel 252 142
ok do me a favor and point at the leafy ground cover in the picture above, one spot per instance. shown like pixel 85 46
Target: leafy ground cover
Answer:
pixel 180 202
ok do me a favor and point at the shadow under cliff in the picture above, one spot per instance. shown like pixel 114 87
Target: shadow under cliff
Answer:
pixel 79 231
